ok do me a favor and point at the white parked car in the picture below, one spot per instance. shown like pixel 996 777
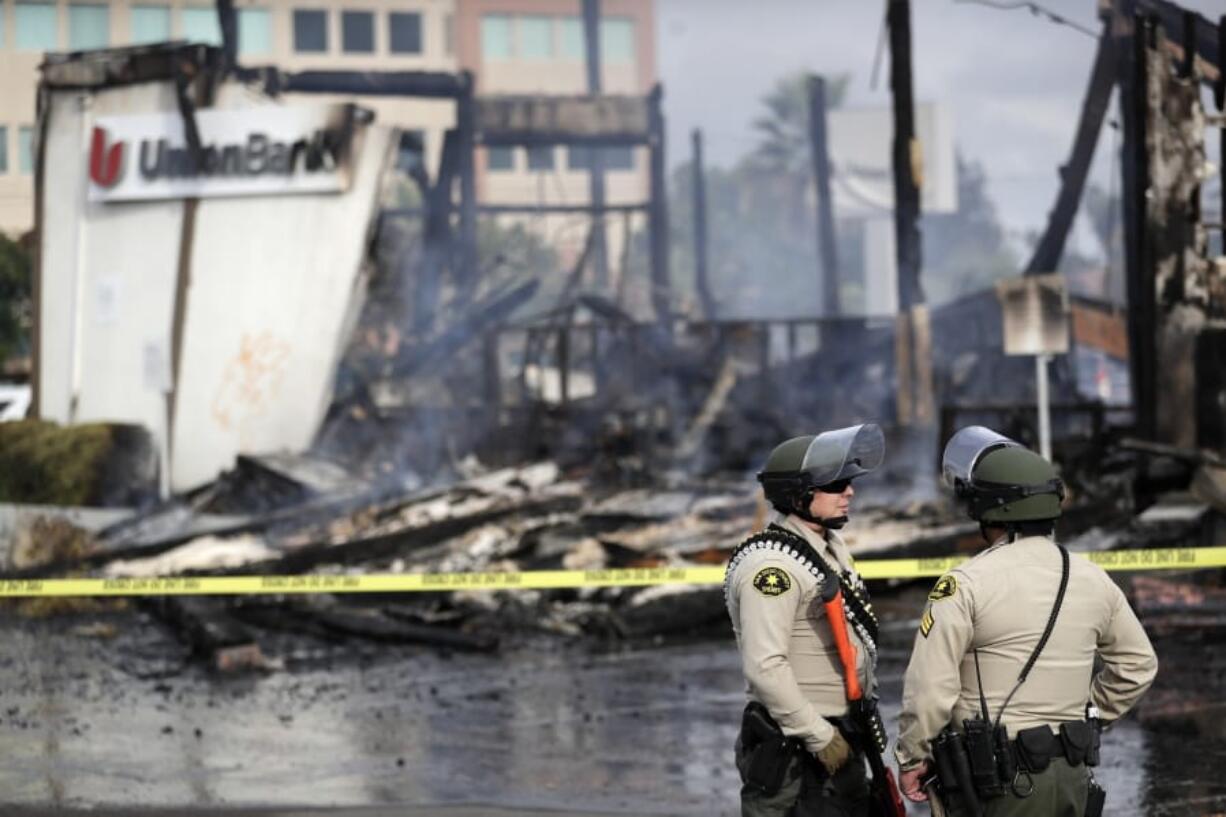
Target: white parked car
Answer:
pixel 14 401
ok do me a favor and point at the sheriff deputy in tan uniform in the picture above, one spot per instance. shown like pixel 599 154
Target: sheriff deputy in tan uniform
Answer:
pixel 984 625
pixel 790 752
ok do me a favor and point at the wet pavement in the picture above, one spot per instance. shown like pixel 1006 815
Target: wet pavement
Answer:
pixel 545 727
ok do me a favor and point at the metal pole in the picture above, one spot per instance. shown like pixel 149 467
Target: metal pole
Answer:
pixel 1040 379
pixel 600 253
pixel 827 247
pixel 701 279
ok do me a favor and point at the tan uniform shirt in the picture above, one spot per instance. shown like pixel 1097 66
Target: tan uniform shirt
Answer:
pixel 788 654
pixel 999 603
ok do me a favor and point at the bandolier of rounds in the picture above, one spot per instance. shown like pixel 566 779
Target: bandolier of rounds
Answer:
pixel 760 542
pixel 765 541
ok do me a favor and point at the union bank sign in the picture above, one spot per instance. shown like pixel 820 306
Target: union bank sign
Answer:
pixel 273 150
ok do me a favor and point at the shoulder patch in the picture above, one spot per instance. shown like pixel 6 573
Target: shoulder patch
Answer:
pixel 927 622
pixel 945 587
pixel 772 581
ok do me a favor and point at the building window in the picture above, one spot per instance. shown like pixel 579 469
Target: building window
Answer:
pixel 617 40
pixel 571 38
pixel 404 32
pixel 200 25
pixel 254 31
pixel 449 34
pixel 535 37
pixel 357 32
pixel 620 157
pixel 88 27
pixel 25 150
pixel 500 158
pixel 150 24
pixel 4 150
pixel 37 27
pixel 496 37
pixel 540 157
pixel 310 31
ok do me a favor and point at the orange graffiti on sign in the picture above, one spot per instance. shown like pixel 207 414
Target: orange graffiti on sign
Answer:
pixel 251 379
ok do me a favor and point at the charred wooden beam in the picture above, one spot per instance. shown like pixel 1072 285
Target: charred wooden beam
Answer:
pixel 661 286
pixel 377 626
pixel 906 157
pixel 701 274
pixel 1174 451
pixel 1046 257
pixel 397 542
pixel 1175 19
pixel 591 41
pixel 227 19
pixel 425 84
pixel 826 238
pixel 206 626
pixel 563 120
pixel 517 209
pixel 466 128
pixel 1130 33
pixel 912 349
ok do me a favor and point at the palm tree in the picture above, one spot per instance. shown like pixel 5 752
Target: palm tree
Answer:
pixel 783 130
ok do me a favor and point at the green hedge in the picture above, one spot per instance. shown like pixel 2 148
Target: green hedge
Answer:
pixel 43 463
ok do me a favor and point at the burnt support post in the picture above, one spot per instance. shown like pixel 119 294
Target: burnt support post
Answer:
pixel 227 22
pixel 1131 32
pixel 1219 98
pixel 913 355
pixel 1073 175
pixel 466 127
pixel 702 281
pixel 600 250
pixel 827 246
pixel 661 288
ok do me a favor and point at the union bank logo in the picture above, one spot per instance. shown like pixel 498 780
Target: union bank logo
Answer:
pixel 105 161
pixel 157 159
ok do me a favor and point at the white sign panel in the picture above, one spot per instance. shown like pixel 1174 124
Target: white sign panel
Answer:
pixel 861 152
pixel 1035 312
pixel 270 150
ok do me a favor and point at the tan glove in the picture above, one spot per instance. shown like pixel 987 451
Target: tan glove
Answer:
pixel 835 753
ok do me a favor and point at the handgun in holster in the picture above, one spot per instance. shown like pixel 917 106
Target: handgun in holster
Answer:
pixel 954 771
pixel 767 751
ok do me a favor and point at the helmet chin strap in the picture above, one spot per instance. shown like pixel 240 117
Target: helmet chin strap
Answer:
pixel 801 509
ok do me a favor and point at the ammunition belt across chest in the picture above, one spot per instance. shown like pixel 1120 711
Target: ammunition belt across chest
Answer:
pixel 856 605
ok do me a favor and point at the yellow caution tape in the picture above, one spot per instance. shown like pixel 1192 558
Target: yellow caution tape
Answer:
pixel 1122 560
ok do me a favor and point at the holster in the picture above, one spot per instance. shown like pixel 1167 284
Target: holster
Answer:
pixel 766 751
pixel 1096 799
pixel 954 771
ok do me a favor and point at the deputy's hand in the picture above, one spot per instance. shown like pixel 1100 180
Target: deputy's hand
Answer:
pixel 909 782
pixel 835 753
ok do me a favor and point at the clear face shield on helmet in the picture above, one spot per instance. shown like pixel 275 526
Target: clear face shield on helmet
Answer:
pixel 844 453
pixel 964 451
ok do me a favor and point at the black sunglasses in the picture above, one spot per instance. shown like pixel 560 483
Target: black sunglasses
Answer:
pixel 836 487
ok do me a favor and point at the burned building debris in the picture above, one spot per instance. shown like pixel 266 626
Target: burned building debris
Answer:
pixel 478 410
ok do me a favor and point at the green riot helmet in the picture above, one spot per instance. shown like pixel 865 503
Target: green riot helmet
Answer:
pixel 1001 481
pixel 799 466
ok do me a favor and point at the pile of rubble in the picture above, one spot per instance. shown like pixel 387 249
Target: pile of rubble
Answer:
pixel 310 518
pixel 301 515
